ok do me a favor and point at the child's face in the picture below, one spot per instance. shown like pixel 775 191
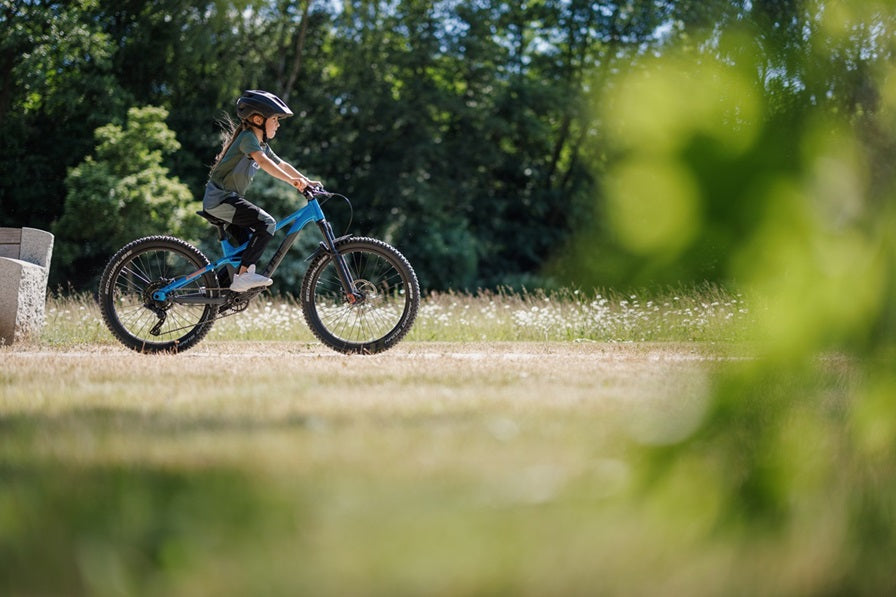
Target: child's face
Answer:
pixel 271 126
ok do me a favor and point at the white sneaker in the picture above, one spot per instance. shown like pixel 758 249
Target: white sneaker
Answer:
pixel 243 282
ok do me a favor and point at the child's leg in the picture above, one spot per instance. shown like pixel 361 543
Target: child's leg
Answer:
pixel 244 214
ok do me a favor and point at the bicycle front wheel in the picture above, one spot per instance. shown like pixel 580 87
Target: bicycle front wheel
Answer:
pixel 391 296
pixel 132 314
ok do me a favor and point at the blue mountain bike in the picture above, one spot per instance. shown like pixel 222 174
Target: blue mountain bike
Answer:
pixel 161 294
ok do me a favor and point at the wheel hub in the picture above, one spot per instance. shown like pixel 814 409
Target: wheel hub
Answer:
pixel 149 300
pixel 366 291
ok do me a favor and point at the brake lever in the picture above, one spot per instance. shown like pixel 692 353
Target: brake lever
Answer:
pixel 313 192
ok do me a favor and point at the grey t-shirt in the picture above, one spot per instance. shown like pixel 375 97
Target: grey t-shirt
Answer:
pixel 236 169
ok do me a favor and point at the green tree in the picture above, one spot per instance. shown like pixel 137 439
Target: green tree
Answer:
pixel 119 193
pixel 458 128
pixel 461 130
pixel 192 58
pixel 57 84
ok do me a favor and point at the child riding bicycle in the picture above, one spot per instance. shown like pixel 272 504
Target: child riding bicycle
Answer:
pixel 244 151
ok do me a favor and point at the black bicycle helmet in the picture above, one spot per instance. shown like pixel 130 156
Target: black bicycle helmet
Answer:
pixel 256 101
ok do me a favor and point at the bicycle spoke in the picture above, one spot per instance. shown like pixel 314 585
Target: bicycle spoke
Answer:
pixel 380 311
pixel 135 315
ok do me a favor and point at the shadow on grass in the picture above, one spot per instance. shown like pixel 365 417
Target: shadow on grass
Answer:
pixel 100 419
pixel 122 531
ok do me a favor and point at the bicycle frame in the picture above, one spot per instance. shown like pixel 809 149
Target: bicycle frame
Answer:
pixel 296 221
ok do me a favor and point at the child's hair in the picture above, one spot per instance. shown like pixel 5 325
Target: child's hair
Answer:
pixel 230 130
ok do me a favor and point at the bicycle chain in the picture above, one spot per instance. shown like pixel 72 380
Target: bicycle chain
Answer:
pixel 238 304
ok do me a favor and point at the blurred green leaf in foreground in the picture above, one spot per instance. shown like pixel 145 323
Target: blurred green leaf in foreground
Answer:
pixel 761 155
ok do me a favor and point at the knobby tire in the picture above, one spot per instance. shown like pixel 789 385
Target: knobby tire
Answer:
pixel 134 317
pixel 385 315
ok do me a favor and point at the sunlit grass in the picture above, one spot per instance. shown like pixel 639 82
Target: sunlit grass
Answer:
pixel 525 463
pixel 449 468
pixel 704 314
pixel 245 467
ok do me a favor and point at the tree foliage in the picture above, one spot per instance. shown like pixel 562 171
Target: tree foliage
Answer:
pixel 119 192
pixel 464 132
pixel 620 143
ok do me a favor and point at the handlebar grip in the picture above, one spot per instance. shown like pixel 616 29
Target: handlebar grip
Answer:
pixel 315 191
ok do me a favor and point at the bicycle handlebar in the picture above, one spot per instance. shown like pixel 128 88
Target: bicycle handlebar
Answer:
pixel 318 192
pixel 313 192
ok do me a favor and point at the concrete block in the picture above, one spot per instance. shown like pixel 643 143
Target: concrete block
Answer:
pixel 24 272
pixel 36 247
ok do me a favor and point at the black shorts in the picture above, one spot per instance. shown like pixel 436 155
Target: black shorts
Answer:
pixel 246 217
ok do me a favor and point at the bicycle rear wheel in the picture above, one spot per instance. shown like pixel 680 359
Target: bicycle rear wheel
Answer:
pixel 391 296
pixel 131 313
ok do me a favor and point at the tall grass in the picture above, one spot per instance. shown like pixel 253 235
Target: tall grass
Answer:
pixel 708 313
pixel 700 314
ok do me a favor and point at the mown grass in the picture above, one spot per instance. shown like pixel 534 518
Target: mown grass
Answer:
pixel 490 453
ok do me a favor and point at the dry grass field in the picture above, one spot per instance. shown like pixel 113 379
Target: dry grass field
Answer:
pixel 509 465
pixel 283 468
pixel 110 406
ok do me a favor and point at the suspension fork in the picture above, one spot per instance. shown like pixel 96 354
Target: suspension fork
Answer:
pixel 345 276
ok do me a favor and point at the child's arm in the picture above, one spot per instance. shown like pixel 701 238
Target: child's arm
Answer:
pixel 291 170
pixel 283 170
